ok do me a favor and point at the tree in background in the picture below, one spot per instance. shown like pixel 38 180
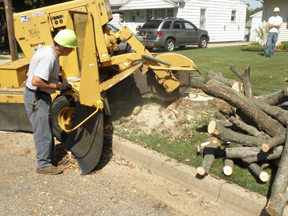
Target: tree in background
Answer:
pixel 18 6
pixel 250 11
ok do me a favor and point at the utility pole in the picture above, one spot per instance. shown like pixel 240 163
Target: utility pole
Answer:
pixel 10 29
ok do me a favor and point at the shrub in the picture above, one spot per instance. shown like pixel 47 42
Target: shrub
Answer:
pixel 254 48
pixel 254 44
pixel 284 45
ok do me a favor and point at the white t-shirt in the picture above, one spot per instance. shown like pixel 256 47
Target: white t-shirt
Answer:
pixel 275 21
pixel 44 64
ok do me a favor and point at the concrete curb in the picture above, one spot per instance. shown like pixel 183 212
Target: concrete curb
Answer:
pixel 231 195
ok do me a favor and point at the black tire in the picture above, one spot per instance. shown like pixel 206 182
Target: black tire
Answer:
pixel 160 92
pixel 182 47
pixel 60 135
pixel 203 42
pixel 169 45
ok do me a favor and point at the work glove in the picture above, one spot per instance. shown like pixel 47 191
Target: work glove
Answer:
pixel 63 86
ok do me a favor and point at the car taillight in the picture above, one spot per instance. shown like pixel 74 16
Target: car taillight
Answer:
pixel 159 33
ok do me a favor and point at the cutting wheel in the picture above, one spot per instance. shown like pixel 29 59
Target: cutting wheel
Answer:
pixel 160 92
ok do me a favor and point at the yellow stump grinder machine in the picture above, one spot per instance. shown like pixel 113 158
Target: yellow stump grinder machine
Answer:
pixel 78 115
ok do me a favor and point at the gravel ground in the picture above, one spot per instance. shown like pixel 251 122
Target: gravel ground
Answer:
pixel 115 187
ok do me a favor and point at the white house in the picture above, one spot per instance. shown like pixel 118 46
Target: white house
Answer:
pixel 223 19
pixel 268 7
pixel 255 24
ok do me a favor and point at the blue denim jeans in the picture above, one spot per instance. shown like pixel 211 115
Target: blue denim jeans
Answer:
pixel 270 45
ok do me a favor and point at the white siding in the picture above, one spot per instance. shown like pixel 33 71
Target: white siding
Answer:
pixel 268 8
pixel 218 18
pixel 147 4
pixel 116 20
pixel 255 24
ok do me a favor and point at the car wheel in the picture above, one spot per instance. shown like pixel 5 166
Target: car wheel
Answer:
pixel 203 42
pixel 181 47
pixel 169 45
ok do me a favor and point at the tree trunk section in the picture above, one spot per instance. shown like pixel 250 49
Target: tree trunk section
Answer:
pixel 209 156
pixel 264 156
pixel 228 135
pixel 257 171
pixel 277 98
pixel 241 152
pixel 271 143
pixel 228 167
pixel 249 129
pixel 278 199
pixel 274 111
pixel 245 77
pixel 265 123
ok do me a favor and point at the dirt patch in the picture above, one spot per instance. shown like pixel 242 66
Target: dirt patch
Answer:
pixel 144 114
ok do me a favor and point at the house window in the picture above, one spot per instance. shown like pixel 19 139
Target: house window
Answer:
pixel 170 12
pixel 132 16
pixel 233 16
pixel 160 13
pixel 121 17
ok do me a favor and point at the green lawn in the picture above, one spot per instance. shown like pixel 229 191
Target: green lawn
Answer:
pixel 266 73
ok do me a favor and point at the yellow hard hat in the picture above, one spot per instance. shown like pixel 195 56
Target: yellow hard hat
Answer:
pixel 66 38
pixel 276 9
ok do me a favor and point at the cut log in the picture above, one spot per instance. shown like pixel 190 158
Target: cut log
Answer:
pixel 276 98
pixel 241 152
pixel 245 77
pixel 274 111
pixel 264 122
pixel 249 129
pixel 229 82
pixel 279 195
pixel 257 171
pixel 197 81
pixel 271 143
pixel 209 156
pixel 264 156
pixel 228 135
pixel 228 167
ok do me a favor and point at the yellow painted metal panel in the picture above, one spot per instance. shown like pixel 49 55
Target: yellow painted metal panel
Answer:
pixel 13 74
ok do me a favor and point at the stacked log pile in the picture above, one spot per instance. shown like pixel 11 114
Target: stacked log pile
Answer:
pixel 254 131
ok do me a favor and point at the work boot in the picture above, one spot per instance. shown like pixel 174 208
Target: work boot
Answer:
pixel 60 161
pixel 52 170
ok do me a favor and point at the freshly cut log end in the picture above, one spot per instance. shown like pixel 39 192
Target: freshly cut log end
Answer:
pixel 212 127
pixel 272 211
pixel 228 167
pixel 264 176
pixel 237 87
pixel 265 147
pixel 227 170
pixel 201 171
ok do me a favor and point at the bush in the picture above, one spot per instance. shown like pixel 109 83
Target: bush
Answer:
pixel 254 44
pixel 284 45
pixel 257 48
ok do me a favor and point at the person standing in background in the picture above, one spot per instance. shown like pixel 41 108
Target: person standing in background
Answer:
pixel 274 24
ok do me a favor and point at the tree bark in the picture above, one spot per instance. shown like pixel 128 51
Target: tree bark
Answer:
pixel 228 135
pixel 197 81
pixel 245 77
pixel 279 194
pixel 274 111
pixel 277 98
pixel 264 122
pixel 271 143
pixel 264 156
pixel 241 152
pixel 228 167
pixel 229 82
pixel 209 156
pixel 249 129
pixel 257 171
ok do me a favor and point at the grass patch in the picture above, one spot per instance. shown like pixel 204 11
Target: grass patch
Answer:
pixel 266 73
pixel 1 57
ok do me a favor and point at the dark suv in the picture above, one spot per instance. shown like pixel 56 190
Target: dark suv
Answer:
pixel 170 32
